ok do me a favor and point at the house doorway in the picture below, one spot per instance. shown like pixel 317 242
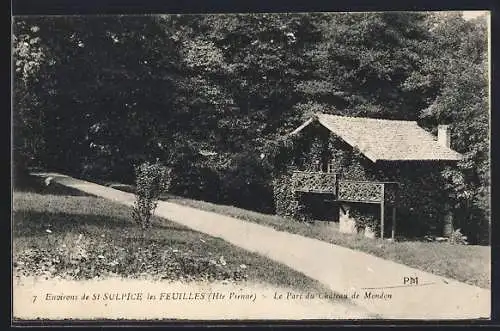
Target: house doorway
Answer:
pixel 320 207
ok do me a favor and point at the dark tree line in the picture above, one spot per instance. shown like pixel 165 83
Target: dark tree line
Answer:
pixel 95 95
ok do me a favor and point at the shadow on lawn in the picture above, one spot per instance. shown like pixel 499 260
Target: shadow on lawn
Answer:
pixel 33 184
pixel 32 223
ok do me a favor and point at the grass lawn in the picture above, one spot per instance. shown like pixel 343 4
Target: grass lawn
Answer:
pixel 61 233
pixel 466 263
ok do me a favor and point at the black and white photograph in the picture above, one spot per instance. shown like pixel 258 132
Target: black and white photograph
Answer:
pixel 251 166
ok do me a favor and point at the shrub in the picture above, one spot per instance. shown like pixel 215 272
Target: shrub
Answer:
pixel 196 182
pixel 247 183
pixel 284 200
pixel 152 179
pixel 366 215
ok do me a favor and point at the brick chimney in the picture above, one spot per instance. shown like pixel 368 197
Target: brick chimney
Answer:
pixel 444 135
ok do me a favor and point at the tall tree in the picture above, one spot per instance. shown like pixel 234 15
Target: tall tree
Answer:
pixel 363 64
pixel 105 89
pixel 456 68
pixel 29 56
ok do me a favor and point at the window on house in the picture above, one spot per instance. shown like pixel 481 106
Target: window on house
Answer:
pixel 316 165
pixel 330 166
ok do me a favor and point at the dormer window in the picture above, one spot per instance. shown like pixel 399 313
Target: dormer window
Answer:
pixel 316 166
pixel 330 166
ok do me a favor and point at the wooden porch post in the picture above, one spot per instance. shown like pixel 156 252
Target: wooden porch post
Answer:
pixel 382 212
pixel 382 220
pixel 336 186
pixel 393 222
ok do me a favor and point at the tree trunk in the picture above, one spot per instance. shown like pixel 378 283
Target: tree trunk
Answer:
pixel 448 224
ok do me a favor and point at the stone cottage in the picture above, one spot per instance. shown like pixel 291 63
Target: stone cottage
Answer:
pixel 371 175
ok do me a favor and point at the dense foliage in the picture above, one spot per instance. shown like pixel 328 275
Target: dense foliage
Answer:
pixel 211 95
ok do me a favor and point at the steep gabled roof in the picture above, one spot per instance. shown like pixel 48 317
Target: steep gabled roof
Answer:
pixel 387 140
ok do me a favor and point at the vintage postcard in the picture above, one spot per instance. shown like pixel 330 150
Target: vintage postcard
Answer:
pixel 253 166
